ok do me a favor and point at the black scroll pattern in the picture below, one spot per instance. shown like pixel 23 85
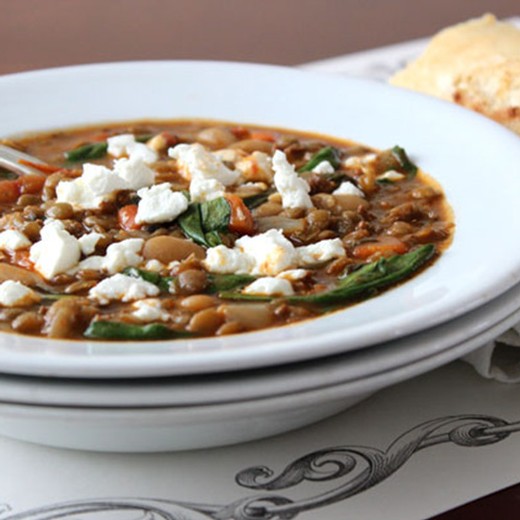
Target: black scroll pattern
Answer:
pixel 349 470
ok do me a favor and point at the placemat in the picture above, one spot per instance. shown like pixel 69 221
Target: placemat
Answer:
pixel 407 453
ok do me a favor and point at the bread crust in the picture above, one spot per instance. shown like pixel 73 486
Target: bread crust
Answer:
pixel 475 64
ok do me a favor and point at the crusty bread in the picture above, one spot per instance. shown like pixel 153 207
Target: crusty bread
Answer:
pixel 475 64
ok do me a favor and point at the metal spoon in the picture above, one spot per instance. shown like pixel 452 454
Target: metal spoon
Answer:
pixel 13 160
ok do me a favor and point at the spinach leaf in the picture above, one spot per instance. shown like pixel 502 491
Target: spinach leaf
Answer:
pixel 338 177
pixel 96 150
pixel 143 138
pixel 371 277
pixel 396 159
pixel 325 154
pixel 364 282
pixel 203 222
pixel 228 282
pixel 215 214
pixel 7 175
pixel 126 331
pixel 256 200
pixel 213 238
pixel 163 282
pixel 87 151
pixel 384 181
pixel 407 166
pixel 217 282
pixel 231 295
pixel 191 224
pixel 53 297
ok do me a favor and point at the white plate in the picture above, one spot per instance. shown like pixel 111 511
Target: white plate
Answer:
pixel 211 389
pixel 193 427
pixel 466 153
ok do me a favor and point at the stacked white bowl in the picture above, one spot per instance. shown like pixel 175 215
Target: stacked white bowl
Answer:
pixel 195 393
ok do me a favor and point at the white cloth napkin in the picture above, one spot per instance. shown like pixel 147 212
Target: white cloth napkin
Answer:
pixel 499 359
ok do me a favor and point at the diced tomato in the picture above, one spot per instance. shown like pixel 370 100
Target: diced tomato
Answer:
pixel 240 132
pixel 170 138
pixel 103 136
pixel 255 169
pixel 263 136
pixel 44 168
pixel 126 217
pixel 9 191
pixel 31 183
pixel 392 246
pixel 22 259
pixel 241 220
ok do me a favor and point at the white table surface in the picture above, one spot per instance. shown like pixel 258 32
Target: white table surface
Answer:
pixel 405 428
pixel 40 482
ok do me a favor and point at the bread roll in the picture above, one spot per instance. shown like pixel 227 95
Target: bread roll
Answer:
pixel 475 64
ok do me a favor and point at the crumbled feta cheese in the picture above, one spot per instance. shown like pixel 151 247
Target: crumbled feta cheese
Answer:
pixel 256 167
pixel 57 251
pixel 319 252
pixel 230 155
pixel 13 240
pixel 160 204
pixel 323 167
pixel 16 294
pixel 150 310
pixel 348 188
pixel 123 288
pixel 195 161
pixel 125 144
pixel 222 259
pixel 293 274
pixel 134 172
pixel 119 256
pixel 98 182
pixel 118 144
pixel 90 190
pixel 143 152
pixel 359 161
pixel 202 190
pixel 123 254
pixel 293 189
pixel 266 254
pixel 154 265
pixel 271 252
pixel 88 243
pixel 392 176
pixel 92 263
pixel 77 194
pixel 258 186
pixel 269 286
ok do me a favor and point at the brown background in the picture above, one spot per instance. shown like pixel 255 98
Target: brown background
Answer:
pixel 43 33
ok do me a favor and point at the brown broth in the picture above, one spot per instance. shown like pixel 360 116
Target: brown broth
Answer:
pixel 393 218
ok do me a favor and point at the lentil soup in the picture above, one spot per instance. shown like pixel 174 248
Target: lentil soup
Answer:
pixel 162 229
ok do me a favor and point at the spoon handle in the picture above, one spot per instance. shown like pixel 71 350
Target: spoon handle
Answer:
pixel 10 160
